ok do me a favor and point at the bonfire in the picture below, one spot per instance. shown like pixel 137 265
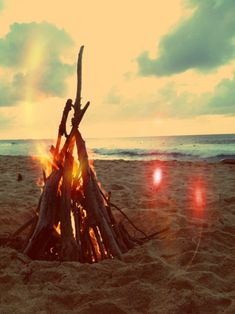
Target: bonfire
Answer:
pixel 74 220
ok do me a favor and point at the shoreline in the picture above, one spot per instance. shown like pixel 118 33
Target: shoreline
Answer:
pixel 212 148
pixel 210 160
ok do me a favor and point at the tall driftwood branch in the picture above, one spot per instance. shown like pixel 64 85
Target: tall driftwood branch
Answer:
pixel 77 104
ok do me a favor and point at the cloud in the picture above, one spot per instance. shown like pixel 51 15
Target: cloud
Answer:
pixel 171 101
pixel 5 123
pixel 11 92
pixel 204 41
pixel 113 97
pixel 186 105
pixel 6 120
pixel 33 54
pixel 1 5
pixel 223 99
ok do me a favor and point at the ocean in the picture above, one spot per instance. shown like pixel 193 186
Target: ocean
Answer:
pixel 190 148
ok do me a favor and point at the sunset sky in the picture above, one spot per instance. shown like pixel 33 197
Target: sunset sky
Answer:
pixel 150 67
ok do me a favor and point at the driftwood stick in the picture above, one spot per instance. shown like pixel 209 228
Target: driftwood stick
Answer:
pixel 120 239
pixel 78 112
pixel 31 231
pixel 103 208
pixel 125 215
pixel 86 246
pixel 37 243
pixel 77 104
pixel 24 226
pixel 69 250
pixel 99 241
pixel 78 117
pixel 77 231
pixel 62 128
pixel 44 176
pixel 109 211
pixel 95 206
pixel 75 122
pixel 146 237
pixel 92 248
pixel 126 237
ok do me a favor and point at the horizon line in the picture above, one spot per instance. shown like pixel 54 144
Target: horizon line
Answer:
pixel 117 137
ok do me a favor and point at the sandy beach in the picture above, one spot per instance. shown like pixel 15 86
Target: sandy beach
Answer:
pixel 188 268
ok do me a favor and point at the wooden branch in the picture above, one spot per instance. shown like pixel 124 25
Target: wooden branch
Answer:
pixel 75 122
pixel 62 128
pixel 125 215
pixel 69 251
pixel 77 104
pixel 78 112
pixel 31 231
pixel 93 249
pixel 37 244
pixel 76 214
pixel 125 236
pixel 94 204
pixel 24 226
pixel 100 243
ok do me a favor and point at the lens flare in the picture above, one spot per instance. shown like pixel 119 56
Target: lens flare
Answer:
pixel 199 198
pixel 157 176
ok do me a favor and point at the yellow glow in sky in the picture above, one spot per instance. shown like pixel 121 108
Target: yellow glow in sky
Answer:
pixel 123 103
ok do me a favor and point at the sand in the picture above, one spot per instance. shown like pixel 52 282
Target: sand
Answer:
pixel 188 268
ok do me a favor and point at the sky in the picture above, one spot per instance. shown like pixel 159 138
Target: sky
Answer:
pixel 150 67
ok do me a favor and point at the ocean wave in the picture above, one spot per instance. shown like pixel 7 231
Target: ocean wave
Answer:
pixel 221 157
pixel 167 155
pixel 138 153
pixel 5 144
pixel 185 148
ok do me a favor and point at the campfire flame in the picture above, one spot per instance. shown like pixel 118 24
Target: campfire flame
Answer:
pixel 45 159
pixel 96 252
pixel 48 163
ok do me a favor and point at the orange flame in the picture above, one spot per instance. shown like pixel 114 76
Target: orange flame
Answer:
pixel 45 159
pixel 95 244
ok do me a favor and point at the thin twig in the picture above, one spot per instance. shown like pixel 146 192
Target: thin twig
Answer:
pixel 121 211
pixel 26 225
pixel 146 237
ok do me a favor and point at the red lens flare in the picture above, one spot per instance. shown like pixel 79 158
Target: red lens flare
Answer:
pixel 199 197
pixel 157 176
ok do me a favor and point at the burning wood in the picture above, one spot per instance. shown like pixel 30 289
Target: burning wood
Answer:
pixel 75 221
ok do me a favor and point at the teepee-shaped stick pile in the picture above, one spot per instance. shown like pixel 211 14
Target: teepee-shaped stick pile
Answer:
pixel 75 222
